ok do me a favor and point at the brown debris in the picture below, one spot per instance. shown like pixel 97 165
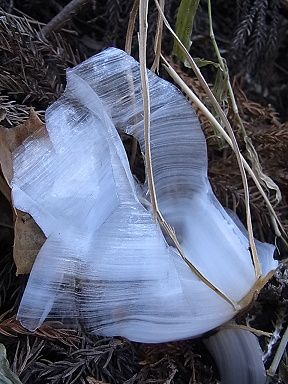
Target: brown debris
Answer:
pixel 10 139
pixel 28 240
pixel 28 236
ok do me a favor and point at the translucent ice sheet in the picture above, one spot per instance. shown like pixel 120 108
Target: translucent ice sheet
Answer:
pixel 105 261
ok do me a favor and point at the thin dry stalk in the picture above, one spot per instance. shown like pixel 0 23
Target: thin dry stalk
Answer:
pixel 128 47
pixel 266 180
pixel 256 332
pixel 158 39
pixel 143 11
pixel 236 149
pixel 217 125
pixel 260 281
pixel 278 355
pixel 131 26
pixel 231 141
pixel 36 22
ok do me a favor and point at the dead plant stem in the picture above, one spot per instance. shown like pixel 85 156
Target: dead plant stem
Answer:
pixel 278 355
pixel 216 124
pixel 167 228
pixel 128 47
pixel 33 21
pixel 256 332
pixel 221 114
pixel 266 180
pixel 158 39
pixel 235 147
pixel 131 26
pixel 143 25
pixel 142 37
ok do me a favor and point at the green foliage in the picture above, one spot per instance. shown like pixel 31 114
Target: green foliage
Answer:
pixel 203 63
pixel 184 25
pixel 6 375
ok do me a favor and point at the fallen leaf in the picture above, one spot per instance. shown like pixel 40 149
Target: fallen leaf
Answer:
pixel 6 375
pixel 28 238
pixel 11 138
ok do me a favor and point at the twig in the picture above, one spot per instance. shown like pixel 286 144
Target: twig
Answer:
pixel 61 17
pixel 33 21
pixel 256 332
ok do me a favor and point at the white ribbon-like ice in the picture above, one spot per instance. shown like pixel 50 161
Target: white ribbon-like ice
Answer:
pixel 105 260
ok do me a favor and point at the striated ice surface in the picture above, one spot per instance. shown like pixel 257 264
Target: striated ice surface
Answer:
pixel 238 356
pixel 106 262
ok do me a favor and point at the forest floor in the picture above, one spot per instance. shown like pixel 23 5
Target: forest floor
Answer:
pixel 253 38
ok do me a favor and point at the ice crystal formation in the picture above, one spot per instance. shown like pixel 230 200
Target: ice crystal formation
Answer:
pixel 106 261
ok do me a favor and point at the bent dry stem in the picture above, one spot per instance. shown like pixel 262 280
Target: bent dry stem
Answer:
pixel 143 11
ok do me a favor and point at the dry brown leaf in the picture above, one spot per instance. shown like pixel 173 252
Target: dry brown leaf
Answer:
pixel 28 240
pixel 28 236
pixel 11 138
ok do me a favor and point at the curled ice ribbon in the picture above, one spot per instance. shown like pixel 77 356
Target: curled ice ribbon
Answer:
pixel 106 261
